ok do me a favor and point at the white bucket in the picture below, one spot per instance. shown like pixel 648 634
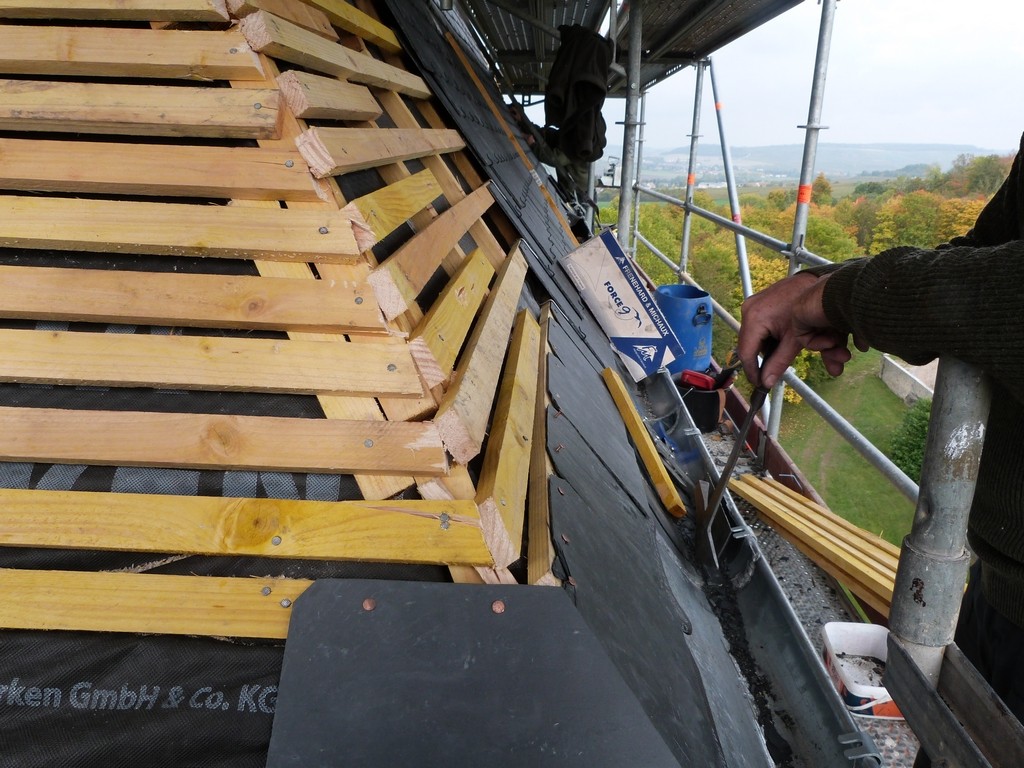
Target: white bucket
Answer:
pixel 855 656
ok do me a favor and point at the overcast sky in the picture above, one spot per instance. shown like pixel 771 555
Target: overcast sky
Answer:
pixel 906 71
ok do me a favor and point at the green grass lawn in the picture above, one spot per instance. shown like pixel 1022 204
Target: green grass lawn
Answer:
pixel 850 486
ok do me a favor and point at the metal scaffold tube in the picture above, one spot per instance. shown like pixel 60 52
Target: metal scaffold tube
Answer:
pixel 934 559
pixel 730 185
pixel 639 164
pixel 629 167
pixel 813 126
pixel 691 169
pixel 760 237
pixel 803 196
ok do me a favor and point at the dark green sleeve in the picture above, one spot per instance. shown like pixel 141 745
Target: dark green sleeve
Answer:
pixel 919 304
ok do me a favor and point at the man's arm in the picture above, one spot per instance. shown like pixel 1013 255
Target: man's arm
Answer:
pixel 918 304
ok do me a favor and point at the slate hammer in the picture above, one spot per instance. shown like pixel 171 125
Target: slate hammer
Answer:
pixel 756 401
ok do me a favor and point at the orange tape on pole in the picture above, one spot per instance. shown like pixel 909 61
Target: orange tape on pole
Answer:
pixel 691 179
pixel 803 194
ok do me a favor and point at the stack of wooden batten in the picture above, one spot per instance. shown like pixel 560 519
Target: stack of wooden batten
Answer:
pixel 201 128
pixel 859 560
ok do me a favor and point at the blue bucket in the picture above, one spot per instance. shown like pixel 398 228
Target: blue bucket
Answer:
pixel 688 312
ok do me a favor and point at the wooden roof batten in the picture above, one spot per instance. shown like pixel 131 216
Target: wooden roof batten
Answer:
pixel 228 153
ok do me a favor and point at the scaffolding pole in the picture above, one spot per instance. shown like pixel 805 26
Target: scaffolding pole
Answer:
pixel 639 165
pixel 803 195
pixel 629 168
pixel 691 170
pixel 730 185
pixel 934 561
pixel 954 712
pixel 813 126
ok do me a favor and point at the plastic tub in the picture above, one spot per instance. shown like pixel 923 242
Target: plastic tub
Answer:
pixel 855 656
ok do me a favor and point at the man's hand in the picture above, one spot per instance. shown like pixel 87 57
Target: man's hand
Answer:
pixel 784 319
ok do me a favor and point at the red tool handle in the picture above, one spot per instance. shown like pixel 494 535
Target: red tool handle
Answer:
pixel 697 380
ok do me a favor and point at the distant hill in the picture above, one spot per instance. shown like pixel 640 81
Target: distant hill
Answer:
pixel 831 159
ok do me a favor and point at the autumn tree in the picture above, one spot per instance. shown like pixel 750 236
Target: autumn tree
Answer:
pixel 910 219
pixel 859 217
pixel 985 174
pixel 971 176
pixel 781 199
pixel 828 238
pixel 870 189
pixel 956 216
pixel 821 191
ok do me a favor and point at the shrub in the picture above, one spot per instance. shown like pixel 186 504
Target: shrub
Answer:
pixel 907 447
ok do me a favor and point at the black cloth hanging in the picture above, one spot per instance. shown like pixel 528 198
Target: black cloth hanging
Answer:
pixel 575 93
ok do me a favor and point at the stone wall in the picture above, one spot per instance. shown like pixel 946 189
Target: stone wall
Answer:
pixel 905 381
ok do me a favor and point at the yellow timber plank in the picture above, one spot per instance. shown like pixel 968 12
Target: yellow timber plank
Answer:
pixel 204 301
pixel 505 475
pixel 334 151
pixel 400 113
pixel 400 278
pixel 294 11
pixel 131 10
pixel 289 42
pixel 541 550
pixel 352 20
pixel 148 603
pixel 372 486
pixel 863 578
pixel 122 52
pixel 645 446
pixel 182 230
pixel 876 591
pixel 469 575
pixel 389 207
pixel 777 489
pixel 288 366
pixel 464 574
pixel 168 171
pixel 462 417
pixel 439 336
pixel 846 555
pixel 854 549
pixel 138 110
pixel 871 547
pixel 406 409
pixel 436 532
pixel 457 484
pixel 313 97
pixel 203 441
pixel 124 10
